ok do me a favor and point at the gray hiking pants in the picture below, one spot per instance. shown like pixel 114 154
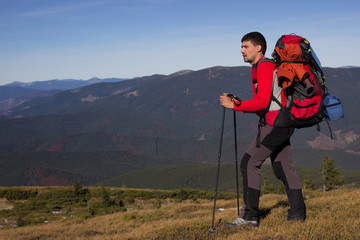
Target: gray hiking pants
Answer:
pixel 274 143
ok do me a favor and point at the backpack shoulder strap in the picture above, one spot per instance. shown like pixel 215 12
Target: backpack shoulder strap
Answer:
pixel 263 114
pixel 264 59
pixel 276 90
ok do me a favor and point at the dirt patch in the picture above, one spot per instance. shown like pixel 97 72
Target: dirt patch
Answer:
pixel 5 204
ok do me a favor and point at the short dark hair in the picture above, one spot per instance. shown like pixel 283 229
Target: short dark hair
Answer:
pixel 256 39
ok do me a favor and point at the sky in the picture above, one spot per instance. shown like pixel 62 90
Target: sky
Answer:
pixel 81 39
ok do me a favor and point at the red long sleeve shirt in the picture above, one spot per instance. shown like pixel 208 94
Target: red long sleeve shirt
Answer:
pixel 262 77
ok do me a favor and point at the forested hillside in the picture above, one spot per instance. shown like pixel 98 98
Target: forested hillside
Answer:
pixel 104 130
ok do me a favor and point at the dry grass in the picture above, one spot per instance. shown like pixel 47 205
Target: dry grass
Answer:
pixel 333 216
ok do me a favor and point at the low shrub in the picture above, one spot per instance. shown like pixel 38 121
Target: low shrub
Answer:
pixel 18 194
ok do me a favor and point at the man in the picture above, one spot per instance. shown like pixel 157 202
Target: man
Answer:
pixel 273 142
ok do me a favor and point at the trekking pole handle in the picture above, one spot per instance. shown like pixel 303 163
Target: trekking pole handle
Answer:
pixel 233 98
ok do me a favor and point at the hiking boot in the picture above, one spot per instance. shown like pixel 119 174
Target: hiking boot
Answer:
pixel 241 222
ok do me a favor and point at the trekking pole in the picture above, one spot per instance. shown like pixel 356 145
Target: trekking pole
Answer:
pixel 236 165
pixel 218 167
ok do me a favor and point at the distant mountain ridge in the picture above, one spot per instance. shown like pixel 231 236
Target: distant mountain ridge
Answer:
pixel 350 66
pixel 159 119
pixel 16 93
pixel 63 84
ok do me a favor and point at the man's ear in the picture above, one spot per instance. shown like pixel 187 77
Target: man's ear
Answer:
pixel 259 48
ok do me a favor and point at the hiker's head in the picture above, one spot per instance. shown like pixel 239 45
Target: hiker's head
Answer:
pixel 253 46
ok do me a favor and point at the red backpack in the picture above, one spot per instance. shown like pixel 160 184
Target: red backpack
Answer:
pixel 302 81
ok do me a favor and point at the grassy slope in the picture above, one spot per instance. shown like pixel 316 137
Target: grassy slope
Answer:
pixel 335 215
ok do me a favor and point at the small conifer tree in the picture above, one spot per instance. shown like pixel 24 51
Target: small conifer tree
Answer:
pixel 331 174
pixel 105 197
pixel 77 187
